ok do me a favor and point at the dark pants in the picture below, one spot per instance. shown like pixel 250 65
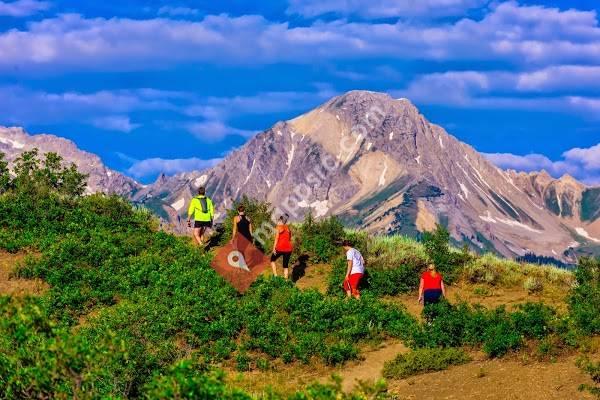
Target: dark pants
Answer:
pixel 286 257
pixel 432 296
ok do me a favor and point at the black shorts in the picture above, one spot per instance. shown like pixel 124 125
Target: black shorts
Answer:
pixel 286 257
pixel 202 224
pixel 432 296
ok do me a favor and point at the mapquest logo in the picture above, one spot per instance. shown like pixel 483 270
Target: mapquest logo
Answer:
pixel 240 263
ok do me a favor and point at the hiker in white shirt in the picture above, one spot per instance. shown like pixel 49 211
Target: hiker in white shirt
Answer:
pixel 355 270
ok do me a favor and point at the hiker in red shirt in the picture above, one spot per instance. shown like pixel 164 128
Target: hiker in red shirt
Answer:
pixel 431 288
pixel 282 247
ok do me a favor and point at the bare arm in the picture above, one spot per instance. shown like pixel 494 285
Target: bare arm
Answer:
pixel 275 242
pixel 421 284
pixel 443 289
pixel 235 221
pixel 349 268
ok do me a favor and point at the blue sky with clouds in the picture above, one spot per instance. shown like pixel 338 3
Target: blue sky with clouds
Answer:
pixel 156 86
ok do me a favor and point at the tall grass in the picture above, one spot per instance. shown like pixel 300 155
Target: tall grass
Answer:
pixel 392 251
pixel 496 271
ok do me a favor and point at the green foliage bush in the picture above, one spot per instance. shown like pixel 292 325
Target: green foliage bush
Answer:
pixel 37 177
pixel 449 263
pixel 424 360
pixel 319 239
pixel 584 298
pixel 498 330
pixel 188 380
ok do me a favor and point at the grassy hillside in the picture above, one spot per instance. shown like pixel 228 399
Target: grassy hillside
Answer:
pixel 127 311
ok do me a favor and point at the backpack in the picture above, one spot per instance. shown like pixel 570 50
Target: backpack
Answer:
pixel 203 204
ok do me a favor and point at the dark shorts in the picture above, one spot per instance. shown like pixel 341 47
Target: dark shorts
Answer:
pixel 432 296
pixel 202 224
pixel 286 257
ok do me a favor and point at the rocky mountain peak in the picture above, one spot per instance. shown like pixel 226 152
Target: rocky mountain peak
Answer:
pixel 14 141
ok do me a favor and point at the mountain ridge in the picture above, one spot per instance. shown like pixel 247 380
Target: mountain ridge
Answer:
pixel 378 163
pixel 400 173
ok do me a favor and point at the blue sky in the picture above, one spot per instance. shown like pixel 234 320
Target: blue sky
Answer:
pixel 156 86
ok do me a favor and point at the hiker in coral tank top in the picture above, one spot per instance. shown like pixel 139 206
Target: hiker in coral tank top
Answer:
pixel 431 288
pixel 282 246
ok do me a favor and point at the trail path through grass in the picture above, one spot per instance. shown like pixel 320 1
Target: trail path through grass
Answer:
pixel 371 367
pixel 16 286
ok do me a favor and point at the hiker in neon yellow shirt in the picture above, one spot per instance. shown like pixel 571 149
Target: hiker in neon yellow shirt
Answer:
pixel 202 209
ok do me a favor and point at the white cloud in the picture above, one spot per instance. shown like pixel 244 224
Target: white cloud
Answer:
pixel 214 131
pixel 21 105
pixel 384 8
pixel 118 123
pixel 522 35
pixel 152 166
pixel 22 8
pixel 588 158
pixel 559 77
pixel 260 103
pixel 583 164
pixel 108 109
pixel 178 11
pixel 553 88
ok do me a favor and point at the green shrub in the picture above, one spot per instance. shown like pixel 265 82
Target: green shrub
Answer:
pixel 333 391
pixel 449 263
pixel 497 331
pixel 319 238
pixel 422 361
pixel 394 265
pixel 188 380
pixel 584 298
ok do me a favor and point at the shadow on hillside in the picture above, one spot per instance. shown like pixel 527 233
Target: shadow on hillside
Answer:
pixel 216 237
pixel 299 269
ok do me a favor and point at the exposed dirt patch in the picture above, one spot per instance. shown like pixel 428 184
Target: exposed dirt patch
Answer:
pixel 16 286
pixel 288 378
pixel 315 276
pixel 371 367
pixel 497 380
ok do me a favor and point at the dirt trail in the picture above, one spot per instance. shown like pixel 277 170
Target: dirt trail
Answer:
pixel 314 276
pixel 370 369
pixel 494 297
pixel 15 286
pixel 497 380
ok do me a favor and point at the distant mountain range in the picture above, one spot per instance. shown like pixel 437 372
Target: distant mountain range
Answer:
pixel 14 141
pixel 380 165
